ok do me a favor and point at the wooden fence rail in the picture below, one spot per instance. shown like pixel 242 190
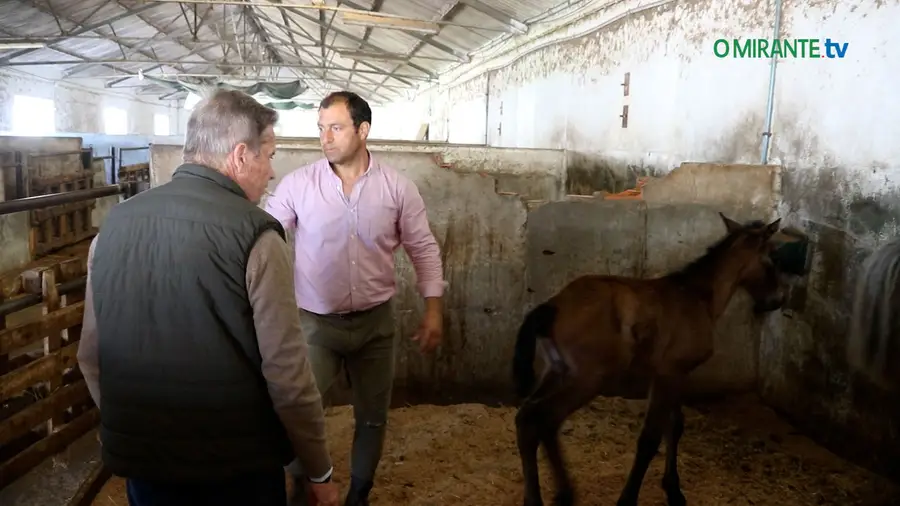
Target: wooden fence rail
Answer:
pixel 44 401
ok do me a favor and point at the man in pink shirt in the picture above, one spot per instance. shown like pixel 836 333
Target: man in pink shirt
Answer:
pixel 349 213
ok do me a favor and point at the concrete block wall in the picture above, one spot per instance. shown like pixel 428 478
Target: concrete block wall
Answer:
pixel 533 173
pixel 832 134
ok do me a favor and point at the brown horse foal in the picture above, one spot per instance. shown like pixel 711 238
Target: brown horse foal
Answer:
pixel 605 334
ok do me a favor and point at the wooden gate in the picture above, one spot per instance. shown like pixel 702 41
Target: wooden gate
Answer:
pixel 45 401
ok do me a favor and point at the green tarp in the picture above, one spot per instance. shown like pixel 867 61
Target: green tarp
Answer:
pixel 281 96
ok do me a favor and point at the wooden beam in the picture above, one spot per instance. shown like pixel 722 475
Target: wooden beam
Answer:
pixel 43 410
pixel 17 466
pixel 42 369
pixel 27 333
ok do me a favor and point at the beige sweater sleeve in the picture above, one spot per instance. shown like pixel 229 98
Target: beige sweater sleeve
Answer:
pixel 88 360
pixel 285 357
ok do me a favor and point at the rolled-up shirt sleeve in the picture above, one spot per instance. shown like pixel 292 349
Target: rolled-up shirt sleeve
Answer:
pixel 280 203
pixel 419 242
pixel 285 357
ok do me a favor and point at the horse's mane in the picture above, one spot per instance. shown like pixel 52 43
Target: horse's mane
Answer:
pixel 874 325
pixel 702 264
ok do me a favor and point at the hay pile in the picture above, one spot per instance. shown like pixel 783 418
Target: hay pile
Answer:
pixel 737 453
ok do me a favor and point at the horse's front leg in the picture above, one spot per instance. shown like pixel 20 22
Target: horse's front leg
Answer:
pixel 663 397
pixel 671 482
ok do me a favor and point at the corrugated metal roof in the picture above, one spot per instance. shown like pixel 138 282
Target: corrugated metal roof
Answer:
pixel 209 37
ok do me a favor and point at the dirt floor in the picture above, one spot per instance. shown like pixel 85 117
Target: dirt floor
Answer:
pixel 736 454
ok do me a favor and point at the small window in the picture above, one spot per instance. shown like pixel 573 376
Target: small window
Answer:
pixel 33 115
pixel 115 121
pixel 160 124
pixel 190 101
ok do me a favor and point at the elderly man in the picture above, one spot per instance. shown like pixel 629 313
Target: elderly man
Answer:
pixel 191 336
pixel 350 212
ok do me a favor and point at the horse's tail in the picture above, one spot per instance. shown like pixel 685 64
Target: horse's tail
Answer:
pixel 538 323
pixel 874 337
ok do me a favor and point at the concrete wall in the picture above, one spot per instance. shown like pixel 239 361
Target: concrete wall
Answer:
pixel 532 173
pixel 833 135
pixel 494 248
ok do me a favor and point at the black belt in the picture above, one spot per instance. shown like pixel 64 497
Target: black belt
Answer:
pixel 349 315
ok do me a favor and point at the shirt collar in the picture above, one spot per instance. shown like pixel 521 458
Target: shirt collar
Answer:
pixel 373 166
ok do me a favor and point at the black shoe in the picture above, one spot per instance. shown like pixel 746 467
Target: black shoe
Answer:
pixel 359 492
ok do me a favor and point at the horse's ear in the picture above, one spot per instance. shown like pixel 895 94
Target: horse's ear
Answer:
pixel 730 224
pixel 773 227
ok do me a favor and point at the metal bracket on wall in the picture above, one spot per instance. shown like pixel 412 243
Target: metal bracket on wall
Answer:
pixel 624 116
pixel 626 85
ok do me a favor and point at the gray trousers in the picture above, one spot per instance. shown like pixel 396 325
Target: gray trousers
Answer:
pixel 364 343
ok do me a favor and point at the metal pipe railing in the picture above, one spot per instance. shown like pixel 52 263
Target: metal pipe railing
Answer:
pixel 33 299
pixel 56 199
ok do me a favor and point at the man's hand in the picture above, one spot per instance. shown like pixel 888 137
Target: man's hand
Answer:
pixel 431 330
pixel 326 494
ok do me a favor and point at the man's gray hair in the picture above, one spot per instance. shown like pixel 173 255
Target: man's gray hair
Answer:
pixel 222 120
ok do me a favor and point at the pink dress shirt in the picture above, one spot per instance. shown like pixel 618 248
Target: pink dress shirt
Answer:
pixel 344 247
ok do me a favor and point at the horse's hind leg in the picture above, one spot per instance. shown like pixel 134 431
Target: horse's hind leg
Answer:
pixel 663 398
pixel 528 440
pixel 549 412
pixel 528 436
pixel 671 482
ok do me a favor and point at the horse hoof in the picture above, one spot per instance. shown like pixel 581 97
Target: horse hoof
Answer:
pixel 676 498
pixel 564 498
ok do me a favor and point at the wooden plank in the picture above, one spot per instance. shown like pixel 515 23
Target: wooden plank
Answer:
pixel 47 213
pixel 73 335
pixel 60 400
pixel 10 284
pixel 48 183
pixel 41 369
pixel 73 332
pixel 58 227
pixel 12 279
pixel 91 486
pixel 52 244
pixel 136 167
pixel 17 466
pixel 28 333
pixel 53 341
pixel 4 355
